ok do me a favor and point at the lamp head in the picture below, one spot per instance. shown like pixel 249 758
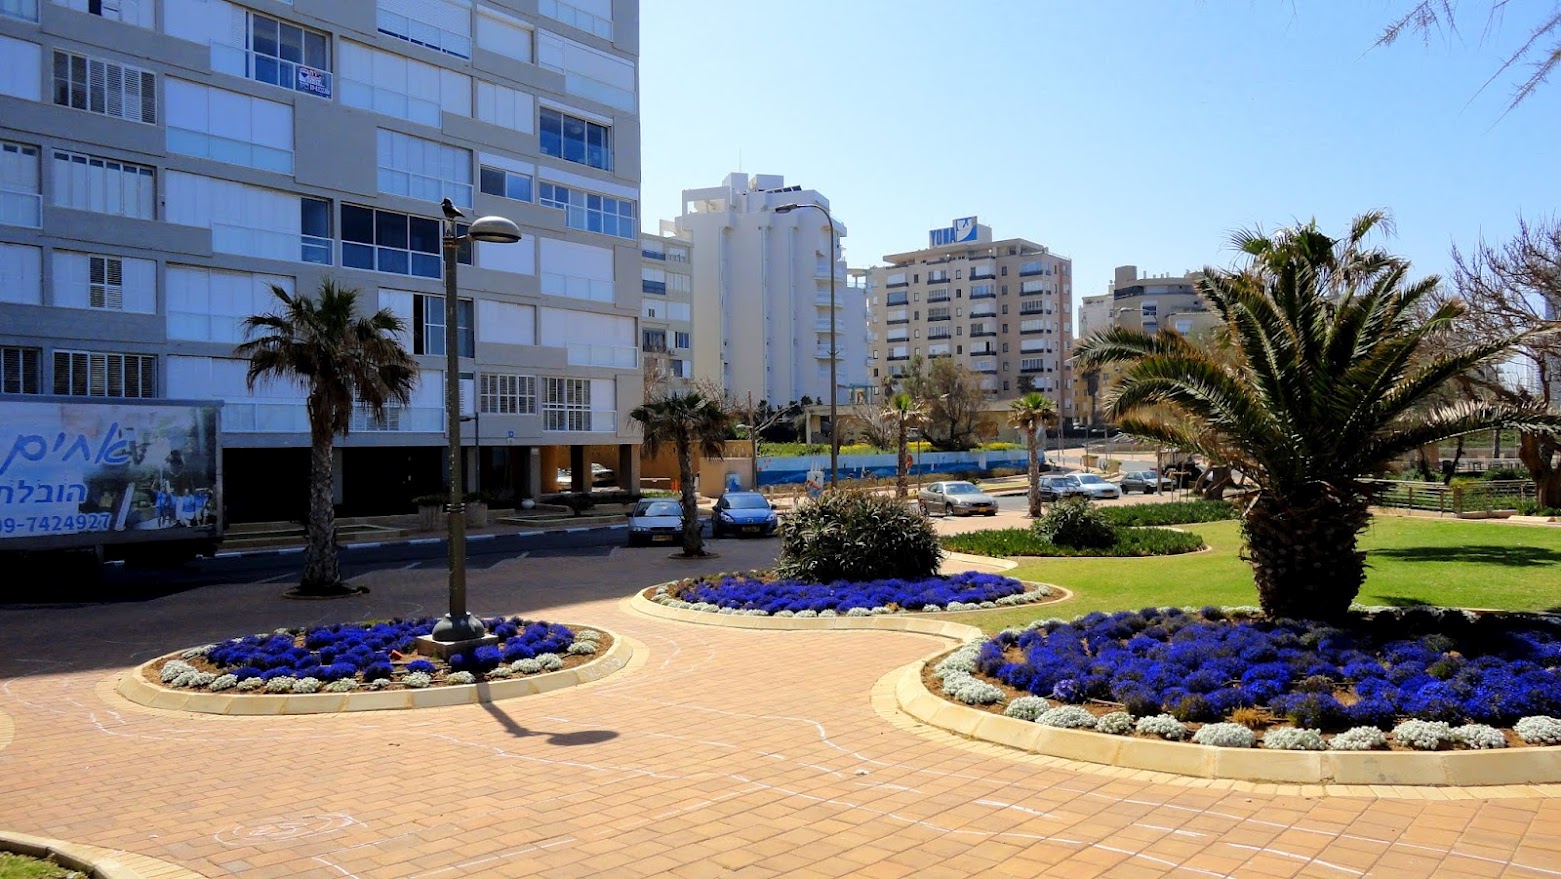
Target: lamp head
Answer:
pixel 787 208
pixel 495 230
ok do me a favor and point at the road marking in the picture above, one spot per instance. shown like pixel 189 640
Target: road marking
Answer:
pixel 424 541
pixel 476 537
pixel 374 545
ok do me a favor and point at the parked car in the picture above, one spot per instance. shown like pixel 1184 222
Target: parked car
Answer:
pixel 600 475
pixel 740 513
pixel 655 520
pixel 1058 487
pixel 1146 481
pixel 1095 488
pixel 956 498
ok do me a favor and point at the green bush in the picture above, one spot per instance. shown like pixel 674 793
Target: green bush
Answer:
pixel 1004 472
pixel 1527 507
pixel 1076 523
pixel 843 536
pixel 1170 513
pixel 1505 473
pixel 1133 542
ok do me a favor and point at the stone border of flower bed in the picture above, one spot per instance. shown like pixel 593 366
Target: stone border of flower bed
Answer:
pixel 98 863
pixel 7 729
pixel 907 621
pixel 1511 766
pixel 135 686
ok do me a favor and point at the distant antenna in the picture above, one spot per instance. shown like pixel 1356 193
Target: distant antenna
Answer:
pixel 739 158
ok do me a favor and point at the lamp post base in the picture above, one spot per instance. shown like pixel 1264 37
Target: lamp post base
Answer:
pixel 427 646
pixel 450 629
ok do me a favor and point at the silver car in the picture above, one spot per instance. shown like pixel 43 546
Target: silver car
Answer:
pixel 655 520
pixel 1146 481
pixel 956 498
pixel 1096 488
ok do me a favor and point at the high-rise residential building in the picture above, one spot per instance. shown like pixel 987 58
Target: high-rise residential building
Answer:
pixel 164 163
pixel 762 309
pixel 666 319
pixel 999 308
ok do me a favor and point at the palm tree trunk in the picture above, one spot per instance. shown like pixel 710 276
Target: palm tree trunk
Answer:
pixel 1035 473
pixel 1536 452
pixel 693 543
pixel 902 451
pixel 322 572
pixel 1303 554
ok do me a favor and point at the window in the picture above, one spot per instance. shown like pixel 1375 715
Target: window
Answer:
pixel 423 169
pixel 105 87
pixel 104 374
pixel 503 394
pixel 21 274
pixel 576 140
pixel 505 184
pixel 442 25
pixel 940 276
pixel 19 369
pixel 653 281
pixel 107 186
pixel 939 295
pixel 428 326
pixel 896 298
pixel 102 281
pixel 680 340
pixel 314 222
pixel 982 291
pixel 589 211
pixel 677 254
pixel 1032 326
pixel 505 107
pixel 940 313
pixel 653 341
pixel 1033 267
pixel 588 73
pixel 26 10
pixel 1034 306
pixel 402 87
pixel 21 74
pixel 1030 288
pixel 501 33
pixel 1030 364
pixel 21 202
pixel 591 16
pixel 938 332
pixel 566 404
pixel 229 127
pixel 106 283
pixel 385 241
pixel 210 305
pixel 137 12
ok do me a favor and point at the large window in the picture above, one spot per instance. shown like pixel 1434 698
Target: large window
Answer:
pixel 21 202
pixel 230 127
pixel 104 374
pixel 106 87
pixel 21 274
pixel 140 13
pixel 504 34
pixel 566 404
pixel 589 211
pixel 576 140
pixel 505 107
pixel 424 169
pixel 653 281
pixel 26 10
pixel 505 183
pixel 505 394
pixel 19 368
pixel 107 186
pixel 441 25
pixel 385 241
pixel 653 341
pixel 588 73
pixel 104 281
pixel 400 86
pixel 428 326
pixel 314 227
pixel 290 56
pixel 592 16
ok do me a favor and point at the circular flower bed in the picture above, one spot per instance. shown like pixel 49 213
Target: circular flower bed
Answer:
pixel 760 594
pixel 345 657
pixel 1435 679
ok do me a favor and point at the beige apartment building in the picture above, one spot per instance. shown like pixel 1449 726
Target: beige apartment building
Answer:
pixel 1002 309
pixel 666 317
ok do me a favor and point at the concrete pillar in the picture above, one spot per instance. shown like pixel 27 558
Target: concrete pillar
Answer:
pixel 548 464
pixel 579 470
pixel 629 467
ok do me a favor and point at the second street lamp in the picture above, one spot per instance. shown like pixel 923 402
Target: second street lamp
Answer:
pixel 459 624
pixel 834 349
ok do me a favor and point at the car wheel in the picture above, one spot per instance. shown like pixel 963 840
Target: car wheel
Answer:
pixel 922 505
pixel 992 513
pixel 948 510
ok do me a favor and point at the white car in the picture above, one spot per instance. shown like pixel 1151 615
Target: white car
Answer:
pixel 1096 488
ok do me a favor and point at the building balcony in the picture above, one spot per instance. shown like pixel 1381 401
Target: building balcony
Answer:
pixel 654 349
pixel 824 326
pixel 651 254
pixel 897 322
pixel 986 277
pixel 659 288
pixel 893 359
pixel 823 354
pixel 239 416
pixel 896 299
pixel 989 295
pixel 1032 273
pixel 898 285
pixel 982 335
pixel 933 318
pixel 822 298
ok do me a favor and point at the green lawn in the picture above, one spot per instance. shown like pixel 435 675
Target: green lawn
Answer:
pixel 1410 561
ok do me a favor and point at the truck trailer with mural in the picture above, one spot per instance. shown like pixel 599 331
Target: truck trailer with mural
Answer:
pixel 121 479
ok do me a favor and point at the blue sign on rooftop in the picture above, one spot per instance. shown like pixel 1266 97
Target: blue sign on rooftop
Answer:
pixel 962 231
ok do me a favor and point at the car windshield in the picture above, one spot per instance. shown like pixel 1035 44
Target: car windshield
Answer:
pixel 961 488
pixel 659 508
pixel 747 502
pixel 1068 480
pixel 1089 479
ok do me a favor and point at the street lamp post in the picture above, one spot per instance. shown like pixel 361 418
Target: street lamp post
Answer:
pixel 834 350
pixel 459 624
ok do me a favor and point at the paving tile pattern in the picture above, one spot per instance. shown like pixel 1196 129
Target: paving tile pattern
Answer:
pixel 727 753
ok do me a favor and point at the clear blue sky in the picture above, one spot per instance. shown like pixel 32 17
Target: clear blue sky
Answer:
pixel 1113 132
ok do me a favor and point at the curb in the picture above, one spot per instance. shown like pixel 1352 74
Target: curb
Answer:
pixel 99 863
pixel 412 541
pixel 134 686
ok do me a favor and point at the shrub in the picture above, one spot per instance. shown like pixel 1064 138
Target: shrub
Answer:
pixel 1067 717
pixel 1075 522
pixel 856 537
pixel 1117 723
pixel 1026 707
pixel 1289 738
pixel 1224 735
pixel 1539 730
pixel 969 690
pixel 577 502
pixel 1163 725
pixel 1359 738
pixel 1423 735
pixel 1134 542
pixel 1251 718
pixel 1170 513
pixel 1479 736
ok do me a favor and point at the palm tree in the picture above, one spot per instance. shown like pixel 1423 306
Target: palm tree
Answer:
pixel 1330 364
pixel 343 360
pixel 1030 413
pixel 904 410
pixel 689 423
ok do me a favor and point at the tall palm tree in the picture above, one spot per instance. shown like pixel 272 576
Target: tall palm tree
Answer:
pixel 689 423
pixel 904 410
pixel 343 360
pixel 1029 414
pixel 1323 386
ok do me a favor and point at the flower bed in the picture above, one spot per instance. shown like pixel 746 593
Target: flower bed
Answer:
pixel 346 657
pixel 1434 679
pixel 760 594
pixel 1130 542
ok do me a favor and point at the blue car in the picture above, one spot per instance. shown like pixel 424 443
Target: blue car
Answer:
pixel 743 514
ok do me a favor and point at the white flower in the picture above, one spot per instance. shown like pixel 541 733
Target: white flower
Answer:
pixel 417 679
pixel 827 613
pixel 526 666
pixel 249 685
pixel 1539 730
pixel 806 614
pixel 1027 707
pixel 174 668
pixel 588 635
pixel 460 677
pixel 1163 725
pixel 1117 723
pixel 307 685
pixel 1360 738
pixel 550 661
pixel 1067 717
pixel 1224 735
pixel 859 612
pixel 1289 738
pixel 583 648
pixel 341 685
pixel 379 683
pixel 283 684
pixel 502 671
pixel 1423 735
pixel 224 682
pixel 971 691
pixel 1479 736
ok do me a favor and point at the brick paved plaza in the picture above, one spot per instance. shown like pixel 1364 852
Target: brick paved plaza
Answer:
pixel 717 752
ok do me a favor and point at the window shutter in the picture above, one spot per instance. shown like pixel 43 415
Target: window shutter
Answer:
pixel 101 372
pixel 96 85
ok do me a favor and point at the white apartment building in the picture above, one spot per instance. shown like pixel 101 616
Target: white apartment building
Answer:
pixel 666 319
pixel 762 309
pixel 164 162
pixel 1002 309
